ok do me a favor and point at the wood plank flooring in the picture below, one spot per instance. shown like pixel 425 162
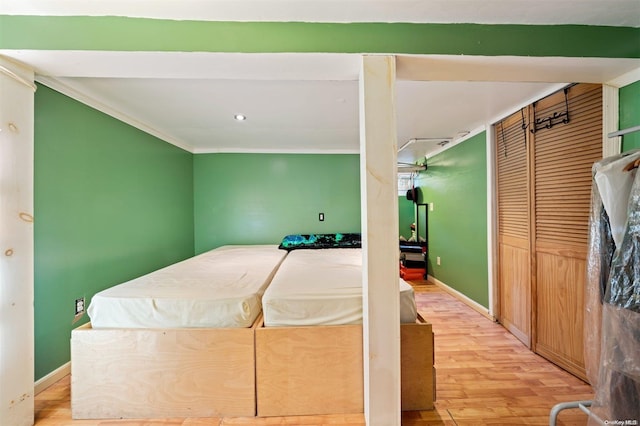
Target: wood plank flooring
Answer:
pixel 485 376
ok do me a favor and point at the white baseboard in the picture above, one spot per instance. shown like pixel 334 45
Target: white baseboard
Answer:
pixel 464 299
pixel 52 377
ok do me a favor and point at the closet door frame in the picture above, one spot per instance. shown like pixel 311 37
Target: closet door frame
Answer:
pixel 533 266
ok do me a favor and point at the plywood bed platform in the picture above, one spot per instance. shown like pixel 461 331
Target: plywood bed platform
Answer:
pixel 161 373
pixel 312 370
pixel 156 373
pixel 165 362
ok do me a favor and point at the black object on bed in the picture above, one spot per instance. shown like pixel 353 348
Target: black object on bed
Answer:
pixel 320 241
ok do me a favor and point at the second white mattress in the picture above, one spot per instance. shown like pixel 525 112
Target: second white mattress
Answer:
pixel 323 287
pixel 219 288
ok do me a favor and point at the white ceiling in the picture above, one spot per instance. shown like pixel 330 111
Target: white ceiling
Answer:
pixel 309 102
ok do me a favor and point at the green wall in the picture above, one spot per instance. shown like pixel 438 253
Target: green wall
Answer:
pixel 111 203
pixel 630 115
pixel 456 183
pixel 143 34
pixel 259 198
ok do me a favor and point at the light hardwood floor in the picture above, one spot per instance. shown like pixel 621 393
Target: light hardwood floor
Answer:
pixel 485 376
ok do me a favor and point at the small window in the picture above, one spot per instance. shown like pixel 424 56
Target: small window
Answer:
pixel 405 183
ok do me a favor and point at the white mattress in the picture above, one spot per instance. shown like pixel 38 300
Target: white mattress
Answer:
pixel 219 288
pixel 323 287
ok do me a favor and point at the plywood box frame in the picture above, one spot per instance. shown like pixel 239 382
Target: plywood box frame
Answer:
pixel 319 370
pixel 159 373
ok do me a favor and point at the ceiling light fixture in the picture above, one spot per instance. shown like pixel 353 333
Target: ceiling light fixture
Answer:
pixel 240 117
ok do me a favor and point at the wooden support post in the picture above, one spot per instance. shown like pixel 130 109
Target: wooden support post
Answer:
pixel 379 212
pixel 16 245
pixel 610 117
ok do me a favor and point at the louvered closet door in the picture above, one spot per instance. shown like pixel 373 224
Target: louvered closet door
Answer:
pixel 563 158
pixel 514 271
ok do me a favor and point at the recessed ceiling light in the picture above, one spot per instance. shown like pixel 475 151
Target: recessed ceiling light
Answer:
pixel 240 117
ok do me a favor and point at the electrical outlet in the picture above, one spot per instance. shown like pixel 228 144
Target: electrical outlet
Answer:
pixel 79 306
pixel 438 260
pixel 321 217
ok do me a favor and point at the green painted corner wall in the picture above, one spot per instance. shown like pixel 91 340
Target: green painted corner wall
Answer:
pixel 111 203
pixel 629 99
pixel 456 183
pixel 259 198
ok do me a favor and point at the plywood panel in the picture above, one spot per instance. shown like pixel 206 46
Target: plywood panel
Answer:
pixel 318 370
pixel 309 370
pixel 417 373
pixel 118 373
